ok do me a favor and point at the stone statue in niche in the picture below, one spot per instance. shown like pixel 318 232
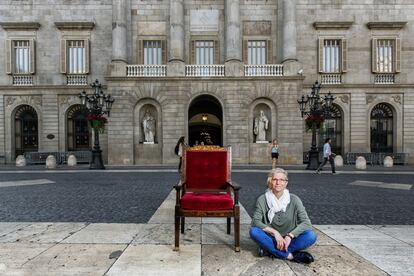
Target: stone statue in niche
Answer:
pixel 148 125
pixel 261 124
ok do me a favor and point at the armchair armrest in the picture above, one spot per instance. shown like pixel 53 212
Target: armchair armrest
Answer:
pixel 179 188
pixel 236 187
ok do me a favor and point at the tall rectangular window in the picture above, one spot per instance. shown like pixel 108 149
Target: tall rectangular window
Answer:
pixel 385 55
pixel 204 52
pixel 256 52
pixel 76 52
pixel 22 56
pixel 331 56
pixel 152 52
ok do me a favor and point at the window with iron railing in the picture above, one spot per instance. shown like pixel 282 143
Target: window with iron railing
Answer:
pixel 152 50
pixel 332 59
pixel 76 57
pixel 21 49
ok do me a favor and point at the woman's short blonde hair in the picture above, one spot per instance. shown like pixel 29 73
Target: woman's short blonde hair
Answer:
pixel 273 172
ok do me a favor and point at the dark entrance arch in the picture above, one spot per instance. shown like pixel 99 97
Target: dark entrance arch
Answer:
pixel 382 128
pixel 26 130
pixel 78 133
pixel 205 121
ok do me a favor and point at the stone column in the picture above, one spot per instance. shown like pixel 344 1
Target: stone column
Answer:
pixel 119 38
pixel 289 58
pixel 176 65
pixel 233 59
pixel 119 31
pixel 289 30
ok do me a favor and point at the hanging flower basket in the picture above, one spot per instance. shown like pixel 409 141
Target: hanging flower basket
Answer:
pixel 97 122
pixel 317 119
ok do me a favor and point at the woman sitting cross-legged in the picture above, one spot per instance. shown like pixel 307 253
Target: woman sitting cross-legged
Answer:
pixel 280 224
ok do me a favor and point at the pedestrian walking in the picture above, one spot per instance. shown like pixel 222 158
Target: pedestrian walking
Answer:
pixel 274 151
pixel 179 150
pixel 280 225
pixel 328 155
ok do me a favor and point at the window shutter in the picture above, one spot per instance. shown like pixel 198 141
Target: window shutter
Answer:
pixel 344 56
pixel 87 55
pixel 216 52
pixel 269 52
pixel 397 55
pixel 245 51
pixel 164 51
pixel 374 56
pixel 320 54
pixel 192 52
pixel 63 56
pixel 140 48
pixel 9 56
pixel 32 48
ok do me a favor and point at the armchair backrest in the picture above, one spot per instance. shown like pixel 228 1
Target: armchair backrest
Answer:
pixel 206 169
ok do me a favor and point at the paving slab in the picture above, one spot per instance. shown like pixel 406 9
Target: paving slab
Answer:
pixel 164 234
pixel 14 255
pixel 150 259
pixel 217 234
pixel 220 260
pixel 391 255
pixel 324 239
pixel 404 233
pixel 335 260
pixel 74 259
pixel 105 233
pixel 42 232
pixel 8 227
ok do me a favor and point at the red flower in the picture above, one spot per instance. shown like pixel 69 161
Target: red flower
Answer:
pixel 94 117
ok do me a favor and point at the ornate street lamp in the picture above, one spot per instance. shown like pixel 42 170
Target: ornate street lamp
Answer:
pixel 97 105
pixel 316 109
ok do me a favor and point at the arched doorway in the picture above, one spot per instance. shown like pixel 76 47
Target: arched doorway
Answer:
pixel 382 128
pixel 78 133
pixel 26 130
pixel 205 121
pixel 332 128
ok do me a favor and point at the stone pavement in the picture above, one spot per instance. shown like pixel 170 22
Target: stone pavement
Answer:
pixel 147 249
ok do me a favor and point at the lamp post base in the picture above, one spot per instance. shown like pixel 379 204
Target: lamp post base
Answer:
pixel 313 163
pixel 96 161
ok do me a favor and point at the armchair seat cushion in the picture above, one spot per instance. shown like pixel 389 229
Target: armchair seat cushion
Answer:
pixel 206 201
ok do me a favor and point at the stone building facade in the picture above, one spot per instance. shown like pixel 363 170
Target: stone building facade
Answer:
pixel 205 70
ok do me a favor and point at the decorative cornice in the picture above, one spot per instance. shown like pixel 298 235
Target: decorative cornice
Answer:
pixel 75 25
pixel 333 24
pixel 386 25
pixel 20 25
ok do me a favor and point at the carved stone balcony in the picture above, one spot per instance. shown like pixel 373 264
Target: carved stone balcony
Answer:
pixel 140 70
pixel 263 70
pixel 331 78
pixel 206 70
pixel 77 79
pixel 23 80
pixel 384 79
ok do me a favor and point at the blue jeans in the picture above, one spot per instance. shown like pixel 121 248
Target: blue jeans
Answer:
pixel 268 242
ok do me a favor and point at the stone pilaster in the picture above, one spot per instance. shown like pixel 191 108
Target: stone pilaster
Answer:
pixel 50 123
pixel 119 31
pixel 2 132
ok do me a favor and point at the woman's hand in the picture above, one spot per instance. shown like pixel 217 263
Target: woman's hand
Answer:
pixel 280 241
pixel 287 240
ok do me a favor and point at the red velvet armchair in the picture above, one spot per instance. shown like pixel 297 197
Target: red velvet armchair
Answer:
pixel 206 190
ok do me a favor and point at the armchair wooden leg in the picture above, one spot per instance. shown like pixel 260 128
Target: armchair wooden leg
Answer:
pixel 237 229
pixel 182 224
pixel 228 225
pixel 177 233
